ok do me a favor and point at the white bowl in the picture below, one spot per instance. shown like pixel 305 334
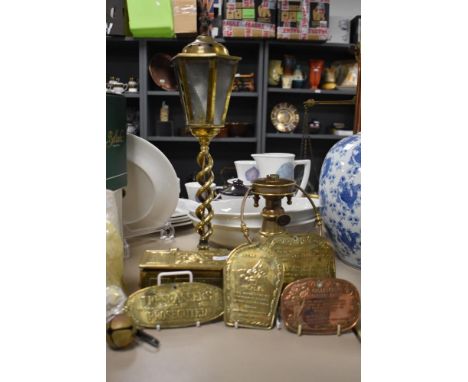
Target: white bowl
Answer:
pixel 231 237
pixel 227 212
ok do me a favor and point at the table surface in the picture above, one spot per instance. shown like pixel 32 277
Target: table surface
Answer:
pixel 215 352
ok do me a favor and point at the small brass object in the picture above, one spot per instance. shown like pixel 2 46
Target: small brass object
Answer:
pixel 252 285
pixel 175 305
pixel 320 306
pixel 121 332
pixel 206 266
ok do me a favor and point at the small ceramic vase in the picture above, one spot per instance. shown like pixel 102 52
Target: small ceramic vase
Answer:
pixel 315 74
pixel 340 198
pixel 289 64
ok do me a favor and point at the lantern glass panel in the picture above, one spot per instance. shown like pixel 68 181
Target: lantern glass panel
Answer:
pixel 197 72
pixel 226 70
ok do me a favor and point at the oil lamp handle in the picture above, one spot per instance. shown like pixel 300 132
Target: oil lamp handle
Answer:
pixel 244 229
pixel 318 218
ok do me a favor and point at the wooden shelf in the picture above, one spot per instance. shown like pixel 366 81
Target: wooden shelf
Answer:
pixel 299 136
pixel 351 92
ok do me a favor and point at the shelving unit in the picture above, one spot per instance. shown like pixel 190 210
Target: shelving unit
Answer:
pixel 130 57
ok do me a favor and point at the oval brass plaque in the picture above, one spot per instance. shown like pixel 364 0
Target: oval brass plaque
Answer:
pixel 175 305
pixel 252 285
pixel 304 256
pixel 320 306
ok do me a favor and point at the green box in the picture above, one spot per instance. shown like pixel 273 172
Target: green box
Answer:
pixel 116 141
pixel 150 18
pixel 248 13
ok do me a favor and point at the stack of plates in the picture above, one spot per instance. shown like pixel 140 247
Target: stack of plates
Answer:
pixel 181 217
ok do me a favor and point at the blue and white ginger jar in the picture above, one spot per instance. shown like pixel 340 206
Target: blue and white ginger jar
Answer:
pixel 340 198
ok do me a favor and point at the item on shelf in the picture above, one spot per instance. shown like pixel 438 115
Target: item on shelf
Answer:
pixel 315 73
pixel 215 10
pixel 164 129
pixel 175 305
pixel 339 31
pixel 275 71
pixel 314 127
pixel 250 18
pixel 303 20
pixel 244 83
pixel 253 278
pixel 247 171
pixel 346 73
pixel 339 129
pixel 164 112
pixel 298 84
pixel 329 80
pixel 121 332
pixel 298 75
pixel 132 85
pixel 185 16
pixel 234 191
pixel 289 64
pixel 356 30
pixel 153 188
pixel 284 117
pixel 148 18
pixel 320 306
pixel 131 128
pixel 205 268
pixel 118 87
pixel 117 18
pixel 112 81
pixel 340 198
pixel 286 81
pixel 281 164
pixel 226 220
pixel 116 142
pixel 223 132
pixel 237 129
pixel 161 71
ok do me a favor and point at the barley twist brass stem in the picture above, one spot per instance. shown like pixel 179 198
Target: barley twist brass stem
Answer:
pixel 204 211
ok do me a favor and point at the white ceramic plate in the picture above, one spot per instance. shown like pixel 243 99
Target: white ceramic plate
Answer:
pixel 153 188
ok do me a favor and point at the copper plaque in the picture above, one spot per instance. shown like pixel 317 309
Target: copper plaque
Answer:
pixel 252 285
pixel 320 306
pixel 175 305
pixel 304 256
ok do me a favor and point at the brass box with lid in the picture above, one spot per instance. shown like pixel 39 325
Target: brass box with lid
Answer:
pixel 206 267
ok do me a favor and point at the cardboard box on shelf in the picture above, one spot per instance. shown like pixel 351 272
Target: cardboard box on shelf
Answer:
pixel 303 19
pixel 249 18
pixel 185 16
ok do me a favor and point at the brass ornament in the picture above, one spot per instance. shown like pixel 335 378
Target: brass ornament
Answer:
pixel 252 285
pixel 303 256
pixel 206 266
pixel 175 305
pixel 120 332
pixel 284 117
pixel 320 306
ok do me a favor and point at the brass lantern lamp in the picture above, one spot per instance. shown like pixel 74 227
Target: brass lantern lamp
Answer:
pixel 205 73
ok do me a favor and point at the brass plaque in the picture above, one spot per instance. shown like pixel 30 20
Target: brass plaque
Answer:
pixel 252 285
pixel 175 305
pixel 206 266
pixel 303 256
pixel 320 306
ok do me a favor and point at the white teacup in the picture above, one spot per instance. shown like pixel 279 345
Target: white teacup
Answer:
pixel 119 88
pixel 282 164
pixel 193 187
pixel 247 171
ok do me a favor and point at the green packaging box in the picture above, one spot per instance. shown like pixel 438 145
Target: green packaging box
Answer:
pixel 150 18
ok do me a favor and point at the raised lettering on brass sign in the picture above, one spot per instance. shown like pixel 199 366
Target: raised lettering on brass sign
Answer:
pixel 320 306
pixel 252 285
pixel 175 305
pixel 303 256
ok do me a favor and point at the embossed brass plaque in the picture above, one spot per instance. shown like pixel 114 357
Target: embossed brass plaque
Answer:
pixel 252 285
pixel 175 305
pixel 320 306
pixel 303 256
pixel 206 266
